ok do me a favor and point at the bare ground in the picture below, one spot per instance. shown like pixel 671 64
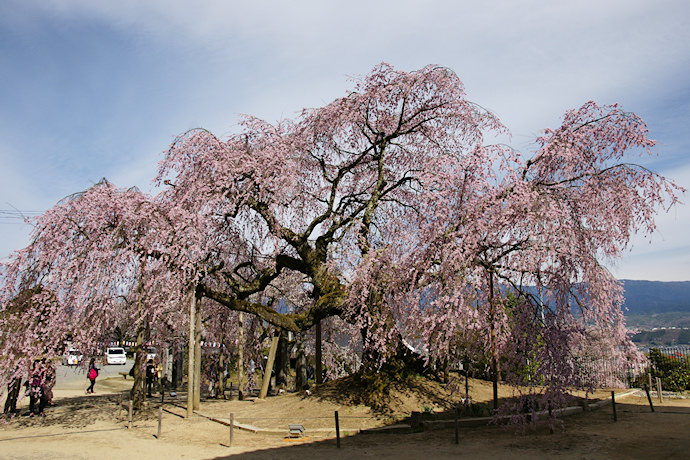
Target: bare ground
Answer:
pixel 86 427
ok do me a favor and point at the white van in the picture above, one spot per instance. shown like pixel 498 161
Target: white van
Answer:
pixel 72 357
pixel 115 355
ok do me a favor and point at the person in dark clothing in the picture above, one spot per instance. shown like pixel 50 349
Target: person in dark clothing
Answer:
pixel 49 382
pixel 150 376
pixel 251 383
pixel 91 374
pixel 35 383
pixel 13 389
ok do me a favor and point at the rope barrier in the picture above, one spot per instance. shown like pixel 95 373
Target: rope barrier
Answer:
pixel 305 418
pixel 60 434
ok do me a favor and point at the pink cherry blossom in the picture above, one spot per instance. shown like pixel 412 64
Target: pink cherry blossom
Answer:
pixel 385 211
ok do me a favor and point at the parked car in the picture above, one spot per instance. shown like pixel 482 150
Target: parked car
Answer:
pixel 72 357
pixel 115 355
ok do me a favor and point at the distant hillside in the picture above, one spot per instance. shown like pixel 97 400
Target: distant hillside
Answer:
pixel 649 321
pixel 657 304
pixel 662 337
pixel 649 297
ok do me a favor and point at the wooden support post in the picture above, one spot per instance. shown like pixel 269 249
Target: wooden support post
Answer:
pixel 649 398
pixel 457 434
pixel 240 358
pixel 232 427
pixel 493 347
pixel 197 359
pixel 119 408
pixel 658 390
pixel 337 430
pixel 190 366
pixel 160 421
pixel 269 368
pixel 613 403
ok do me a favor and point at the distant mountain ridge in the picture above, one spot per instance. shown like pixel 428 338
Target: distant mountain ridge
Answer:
pixel 649 297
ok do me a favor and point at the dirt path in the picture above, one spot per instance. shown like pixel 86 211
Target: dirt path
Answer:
pixel 86 427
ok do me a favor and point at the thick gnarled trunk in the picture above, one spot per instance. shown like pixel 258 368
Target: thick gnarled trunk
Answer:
pixel 282 361
pixel 300 366
pixel 137 392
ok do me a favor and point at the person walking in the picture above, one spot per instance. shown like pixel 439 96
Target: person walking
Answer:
pixel 211 377
pixel 251 383
pixel 150 376
pixel 91 374
pixel 160 377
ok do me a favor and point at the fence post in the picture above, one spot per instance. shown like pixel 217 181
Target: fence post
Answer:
pixel 160 421
pixel 232 426
pixel 658 389
pixel 649 379
pixel 119 408
pixel 649 398
pixel 457 440
pixel 129 422
pixel 337 430
pixel 613 403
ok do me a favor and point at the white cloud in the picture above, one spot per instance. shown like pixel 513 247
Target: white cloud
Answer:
pixel 142 72
pixel 665 255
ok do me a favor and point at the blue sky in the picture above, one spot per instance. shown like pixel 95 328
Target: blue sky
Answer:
pixel 92 89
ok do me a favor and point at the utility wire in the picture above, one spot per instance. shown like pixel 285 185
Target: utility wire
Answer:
pixel 16 216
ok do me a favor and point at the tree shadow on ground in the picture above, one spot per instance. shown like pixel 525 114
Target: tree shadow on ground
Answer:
pixel 81 411
pixel 353 391
pixel 638 433
pixel 433 399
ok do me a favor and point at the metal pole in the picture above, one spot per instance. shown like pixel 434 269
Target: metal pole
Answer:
pixel 337 430
pixel 457 440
